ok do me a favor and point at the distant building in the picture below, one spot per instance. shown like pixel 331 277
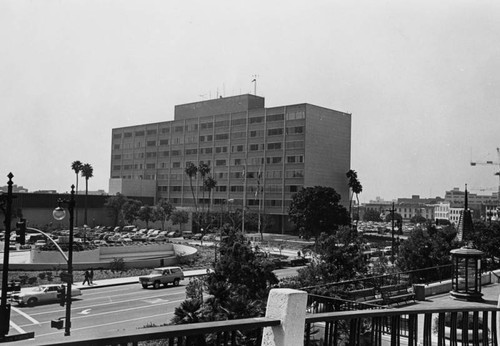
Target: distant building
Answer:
pixel 476 202
pixel 259 156
pixel 15 188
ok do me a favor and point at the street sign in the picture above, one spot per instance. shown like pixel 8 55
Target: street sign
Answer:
pixel 66 277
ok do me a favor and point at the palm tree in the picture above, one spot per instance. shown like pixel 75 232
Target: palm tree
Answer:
pixel 87 173
pixel 191 170
pixel 355 187
pixel 204 170
pixel 77 167
pixel 209 184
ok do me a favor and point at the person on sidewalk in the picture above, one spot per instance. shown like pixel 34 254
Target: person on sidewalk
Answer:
pixel 87 278
pixel 91 276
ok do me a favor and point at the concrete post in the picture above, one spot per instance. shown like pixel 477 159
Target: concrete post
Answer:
pixel 289 306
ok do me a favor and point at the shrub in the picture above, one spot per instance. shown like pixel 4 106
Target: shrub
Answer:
pixel 117 265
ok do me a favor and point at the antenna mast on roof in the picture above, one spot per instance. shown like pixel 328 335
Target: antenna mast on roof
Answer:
pixel 254 81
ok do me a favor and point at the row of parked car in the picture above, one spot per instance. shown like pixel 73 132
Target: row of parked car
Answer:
pixel 129 235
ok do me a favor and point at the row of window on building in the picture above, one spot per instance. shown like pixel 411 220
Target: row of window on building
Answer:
pixel 252 189
pixel 269 174
pixel 215 124
pixel 235 148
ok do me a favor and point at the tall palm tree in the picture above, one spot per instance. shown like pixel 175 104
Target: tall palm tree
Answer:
pixel 209 184
pixel 204 170
pixel 191 170
pixel 87 173
pixel 77 167
pixel 355 187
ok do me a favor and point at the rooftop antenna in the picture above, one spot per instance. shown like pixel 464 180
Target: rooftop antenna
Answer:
pixel 254 81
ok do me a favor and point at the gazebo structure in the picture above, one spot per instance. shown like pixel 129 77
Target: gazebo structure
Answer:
pixel 466 276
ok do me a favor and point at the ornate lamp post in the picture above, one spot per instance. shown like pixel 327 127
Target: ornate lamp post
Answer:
pixel 466 278
pixel 4 307
pixel 59 213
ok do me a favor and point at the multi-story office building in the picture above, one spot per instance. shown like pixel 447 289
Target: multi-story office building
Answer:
pixel 259 156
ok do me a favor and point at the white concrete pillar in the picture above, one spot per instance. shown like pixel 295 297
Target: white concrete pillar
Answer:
pixel 289 306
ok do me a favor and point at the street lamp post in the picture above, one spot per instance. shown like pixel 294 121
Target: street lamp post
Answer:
pixel 4 307
pixel 59 213
pixel 392 210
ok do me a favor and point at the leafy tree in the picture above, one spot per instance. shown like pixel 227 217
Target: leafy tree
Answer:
pixel 397 217
pixel 486 237
pixel 164 210
pixel 418 219
pixel 372 215
pixel 191 170
pixel 426 249
pixel 316 210
pixel 146 213
pixel 355 187
pixel 131 209
pixel 237 288
pixel 114 205
pixel 76 166
pixel 179 217
pixel 87 173
pixel 241 280
pixel 340 258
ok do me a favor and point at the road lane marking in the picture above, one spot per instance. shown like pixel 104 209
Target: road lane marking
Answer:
pixel 85 312
pixel 16 327
pixel 25 315
pixel 155 301
pixel 109 324
pixel 102 304
pixel 116 312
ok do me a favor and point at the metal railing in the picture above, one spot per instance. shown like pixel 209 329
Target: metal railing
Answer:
pixel 423 326
pixel 246 331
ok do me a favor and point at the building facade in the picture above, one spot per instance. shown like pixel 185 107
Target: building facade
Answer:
pixel 259 156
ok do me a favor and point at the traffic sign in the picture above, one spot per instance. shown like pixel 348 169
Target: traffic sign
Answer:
pixel 66 277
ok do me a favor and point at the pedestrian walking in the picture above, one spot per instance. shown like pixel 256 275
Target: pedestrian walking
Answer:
pixel 87 278
pixel 91 276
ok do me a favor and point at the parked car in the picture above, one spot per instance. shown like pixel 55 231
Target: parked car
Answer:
pixel 197 236
pixel 298 261
pixel 162 276
pixel 187 235
pixel 41 294
pixel 139 237
pixel 174 234
pixel 209 237
pixel 159 238
pixel 129 228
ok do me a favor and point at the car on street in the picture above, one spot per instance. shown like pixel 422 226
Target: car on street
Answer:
pixel 174 234
pixel 162 276
pixel 41 294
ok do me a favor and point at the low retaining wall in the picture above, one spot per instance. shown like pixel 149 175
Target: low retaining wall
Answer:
pixel 445 286
pixel 134 256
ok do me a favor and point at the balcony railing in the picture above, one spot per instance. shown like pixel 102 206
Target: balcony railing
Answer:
pixel 224 333
pixel 406 326
pixel 288 324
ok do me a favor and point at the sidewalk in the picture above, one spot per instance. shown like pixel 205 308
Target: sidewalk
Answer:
pixel 132 280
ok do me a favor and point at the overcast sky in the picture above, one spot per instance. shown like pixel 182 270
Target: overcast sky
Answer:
pixel 421 79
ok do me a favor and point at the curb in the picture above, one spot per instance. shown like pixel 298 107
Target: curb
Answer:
pixel 126 281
